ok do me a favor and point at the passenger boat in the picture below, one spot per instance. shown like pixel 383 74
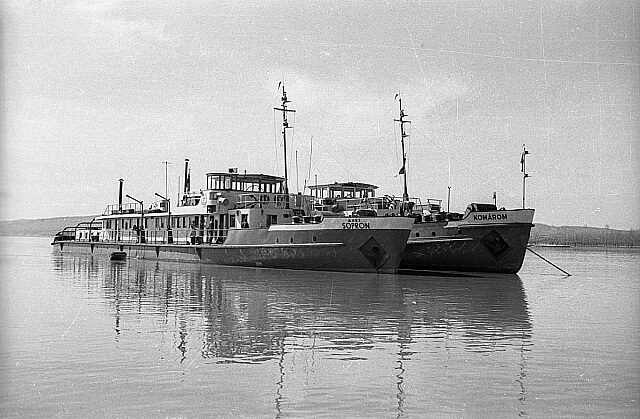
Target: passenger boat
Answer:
pixel 242 219
pixel 482 239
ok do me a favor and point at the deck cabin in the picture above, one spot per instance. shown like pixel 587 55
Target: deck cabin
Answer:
pixel 338 197
pixel 360 198
pixel 230 201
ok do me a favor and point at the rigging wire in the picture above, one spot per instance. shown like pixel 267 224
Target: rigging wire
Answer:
pixel 475 169
pixel 309 172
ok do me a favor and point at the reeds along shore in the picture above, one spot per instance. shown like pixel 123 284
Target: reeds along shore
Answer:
pixel 584 236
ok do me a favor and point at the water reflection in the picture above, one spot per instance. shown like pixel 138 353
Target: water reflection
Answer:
pixel 246 313
pixel 246 316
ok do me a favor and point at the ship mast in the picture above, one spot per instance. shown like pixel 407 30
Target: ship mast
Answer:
pixel 285 125
pixel 525 175
pixel 403 134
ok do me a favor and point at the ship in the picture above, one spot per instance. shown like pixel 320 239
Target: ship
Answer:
pixel 483 238
pixel 241 219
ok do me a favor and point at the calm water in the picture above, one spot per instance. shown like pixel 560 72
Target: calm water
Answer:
pixel 85 337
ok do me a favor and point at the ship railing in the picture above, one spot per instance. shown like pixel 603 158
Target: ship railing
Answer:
pixel 178 236
pixel 258 200
pixel 328 204
pixel 376 203
pixel 130 208
pixel 272 200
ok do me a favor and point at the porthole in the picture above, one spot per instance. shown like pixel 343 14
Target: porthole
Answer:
pixel 433 233
pixel 417 234
pixel 277 241
pixel 314 238
pixel 291 240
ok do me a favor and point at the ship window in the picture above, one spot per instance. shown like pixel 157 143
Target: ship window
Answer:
pixel 232 221
pixel 315 239
pixel 291 240
pixel 433 233
pixel 417 234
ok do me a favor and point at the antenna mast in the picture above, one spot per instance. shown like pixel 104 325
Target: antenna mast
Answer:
pixel 523 162
pixel 403 135
pixel 285 125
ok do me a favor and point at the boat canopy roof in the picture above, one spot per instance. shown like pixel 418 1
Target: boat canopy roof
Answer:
pixel 245 182
pixel 343 190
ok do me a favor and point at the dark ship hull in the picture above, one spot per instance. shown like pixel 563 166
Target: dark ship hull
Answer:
pixel 493 241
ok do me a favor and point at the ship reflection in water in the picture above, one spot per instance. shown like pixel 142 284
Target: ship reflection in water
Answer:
pixel 414 335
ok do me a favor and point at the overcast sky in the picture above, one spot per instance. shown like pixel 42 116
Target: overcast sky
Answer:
pixel 97 90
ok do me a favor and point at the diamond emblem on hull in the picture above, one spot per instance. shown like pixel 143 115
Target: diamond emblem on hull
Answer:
pixel 374 253
pixel 495 243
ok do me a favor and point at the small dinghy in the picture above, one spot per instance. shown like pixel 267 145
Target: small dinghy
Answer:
pixel 118 256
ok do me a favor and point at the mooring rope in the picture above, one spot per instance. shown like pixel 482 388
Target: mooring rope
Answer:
pixel 555 266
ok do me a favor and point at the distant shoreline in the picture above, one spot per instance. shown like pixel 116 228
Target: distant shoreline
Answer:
pixel 42 227
pixel 542 235
pixel 571 236
pixel 565 247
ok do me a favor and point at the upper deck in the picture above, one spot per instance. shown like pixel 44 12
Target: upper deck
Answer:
pixel 244 182
pixel 343 190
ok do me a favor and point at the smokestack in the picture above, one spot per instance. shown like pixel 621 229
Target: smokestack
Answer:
pixel 186 176
pixel 120 196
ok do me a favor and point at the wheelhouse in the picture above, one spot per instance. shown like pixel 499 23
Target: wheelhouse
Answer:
pixel 342 196
pixel 232 181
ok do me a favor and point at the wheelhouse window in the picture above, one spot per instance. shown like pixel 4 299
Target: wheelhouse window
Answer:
pixel 244 183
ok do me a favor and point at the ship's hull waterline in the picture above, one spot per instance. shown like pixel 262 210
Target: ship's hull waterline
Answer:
pixel 495 247
pixel 365 251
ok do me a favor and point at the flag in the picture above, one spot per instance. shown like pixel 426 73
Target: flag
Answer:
pixel 522 157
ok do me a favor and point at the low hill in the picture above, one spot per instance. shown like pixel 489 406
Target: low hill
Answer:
pixel 44 227
pixel 583 236
pixel 540 234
